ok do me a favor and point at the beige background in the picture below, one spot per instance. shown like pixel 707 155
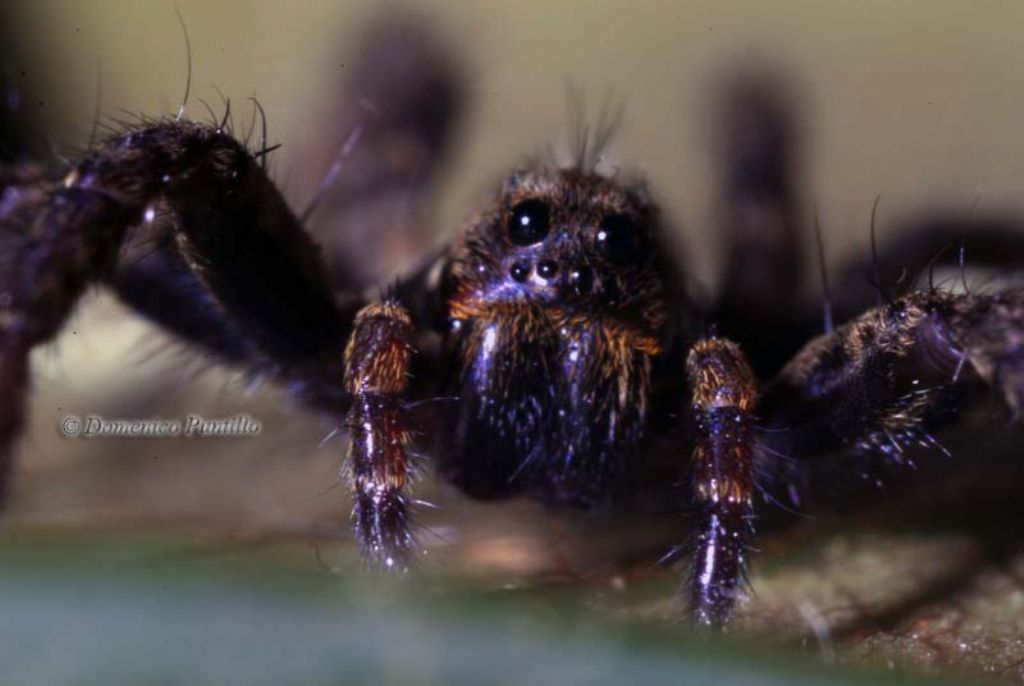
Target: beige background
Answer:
pixel 920 102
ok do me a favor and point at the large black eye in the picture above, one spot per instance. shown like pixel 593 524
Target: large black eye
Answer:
pixel 617 238
pixel 528 222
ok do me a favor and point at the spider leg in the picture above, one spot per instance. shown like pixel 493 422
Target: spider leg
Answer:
pixel 19 133
pixel 724 397
pixel 230 224
pixel 154 279
pixel 759 210
pixel 13 387
pixel 876 383
pixel 402 93
pixel 932 242
pixel 42 273
pixel 377 363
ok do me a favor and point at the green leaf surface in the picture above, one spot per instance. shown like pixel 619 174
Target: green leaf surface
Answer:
pixel 127 610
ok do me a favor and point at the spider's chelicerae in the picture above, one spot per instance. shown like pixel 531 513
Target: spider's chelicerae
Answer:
pixel 562 348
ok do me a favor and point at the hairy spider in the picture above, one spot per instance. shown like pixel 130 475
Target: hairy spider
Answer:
pixel 570 354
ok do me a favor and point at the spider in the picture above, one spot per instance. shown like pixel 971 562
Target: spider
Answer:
pixel 556 349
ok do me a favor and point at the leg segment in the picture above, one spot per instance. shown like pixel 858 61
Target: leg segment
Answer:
pixel 261 273
pixel 724 396
pixel 20 132
pixel 875 383
pixel 13 388
pixel 154 279
pixel 992 242
pixel 41 279
pixel 403 91
pixel 759 219
pixel 989 331
pixel 377 362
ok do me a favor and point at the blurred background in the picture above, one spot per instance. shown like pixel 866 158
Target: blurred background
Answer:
pixel 919 103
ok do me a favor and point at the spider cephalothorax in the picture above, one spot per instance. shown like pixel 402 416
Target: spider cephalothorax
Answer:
pixel 554 338
pixel 558 306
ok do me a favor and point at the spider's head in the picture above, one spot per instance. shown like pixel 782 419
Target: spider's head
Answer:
pixel 566 238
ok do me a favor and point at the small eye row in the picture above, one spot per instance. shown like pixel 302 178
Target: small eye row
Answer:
pixel 529 222
pixel 579 278
pixel 546 269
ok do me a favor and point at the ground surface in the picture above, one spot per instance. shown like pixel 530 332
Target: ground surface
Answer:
pixel 926 576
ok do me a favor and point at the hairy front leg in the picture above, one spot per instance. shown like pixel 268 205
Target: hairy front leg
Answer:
pixel 377 361
pixel 724 397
